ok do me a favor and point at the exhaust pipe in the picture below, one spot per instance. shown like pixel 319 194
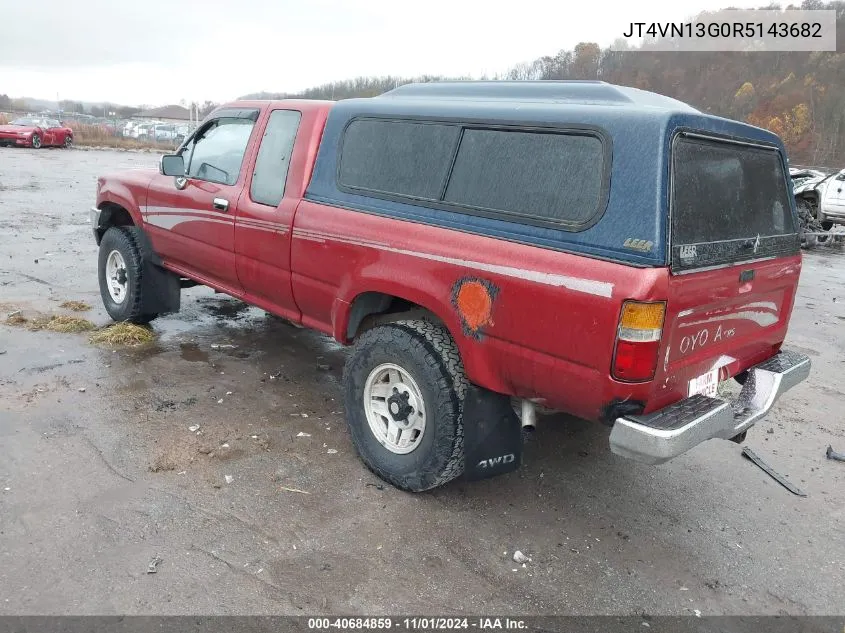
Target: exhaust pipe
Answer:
pixel 529 415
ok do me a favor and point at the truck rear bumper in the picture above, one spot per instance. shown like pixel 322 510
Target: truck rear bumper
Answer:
pixel 658 437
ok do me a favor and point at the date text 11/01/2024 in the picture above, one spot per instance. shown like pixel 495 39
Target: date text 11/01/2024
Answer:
pixel 417 624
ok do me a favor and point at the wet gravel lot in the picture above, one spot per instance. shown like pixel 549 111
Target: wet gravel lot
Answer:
pixel 252 511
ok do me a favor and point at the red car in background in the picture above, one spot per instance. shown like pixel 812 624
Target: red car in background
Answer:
pixel 36 133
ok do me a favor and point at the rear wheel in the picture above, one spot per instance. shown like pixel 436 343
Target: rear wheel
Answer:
pixel 121 268
pixel 68 141
pixel 404 389
pixel 36 141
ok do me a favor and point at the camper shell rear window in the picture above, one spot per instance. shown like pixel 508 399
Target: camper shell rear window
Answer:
pixel 730 203
pixel 556 177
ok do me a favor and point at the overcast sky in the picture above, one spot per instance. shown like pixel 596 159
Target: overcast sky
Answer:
pixel 158 52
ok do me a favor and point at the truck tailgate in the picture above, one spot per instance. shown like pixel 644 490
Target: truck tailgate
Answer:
pixel 735 263
pixel 720 322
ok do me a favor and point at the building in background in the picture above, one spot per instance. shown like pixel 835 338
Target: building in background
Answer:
pixel 167 114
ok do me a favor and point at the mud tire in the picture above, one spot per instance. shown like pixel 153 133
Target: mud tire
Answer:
pixel 427 352
pixel 125 240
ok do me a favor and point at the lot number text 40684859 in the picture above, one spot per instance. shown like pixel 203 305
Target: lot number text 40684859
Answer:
pixel 417 624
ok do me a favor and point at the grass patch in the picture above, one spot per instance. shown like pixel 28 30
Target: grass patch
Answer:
pixel 16 318
pixel 62 323
pixel 116 142
pixel 75 306
pixel 123 334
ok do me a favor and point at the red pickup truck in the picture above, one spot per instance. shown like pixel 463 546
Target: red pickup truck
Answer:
pixel 488 248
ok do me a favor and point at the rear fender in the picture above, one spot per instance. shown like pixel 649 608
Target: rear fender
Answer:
pixel 477 355
pixel 352 307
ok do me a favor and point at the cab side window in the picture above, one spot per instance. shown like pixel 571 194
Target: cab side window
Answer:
pixel 216 154
pixel 271 165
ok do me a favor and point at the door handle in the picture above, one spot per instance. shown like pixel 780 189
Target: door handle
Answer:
pixel 221 204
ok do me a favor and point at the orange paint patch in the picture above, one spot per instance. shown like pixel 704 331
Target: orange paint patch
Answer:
pixel 475 305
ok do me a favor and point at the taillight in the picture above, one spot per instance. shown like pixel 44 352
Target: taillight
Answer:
pixel 638 340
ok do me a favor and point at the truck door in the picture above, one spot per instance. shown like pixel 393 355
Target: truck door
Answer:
pixel 264 218
pixel 191 220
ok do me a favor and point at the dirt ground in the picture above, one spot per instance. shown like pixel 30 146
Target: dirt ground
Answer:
pixel 250 516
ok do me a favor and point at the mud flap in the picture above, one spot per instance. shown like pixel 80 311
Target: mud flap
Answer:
pixel 161 291
pixel 492 434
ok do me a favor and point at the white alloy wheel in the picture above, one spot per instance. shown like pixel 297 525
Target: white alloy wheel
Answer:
pixel 395 408
pixel 116 278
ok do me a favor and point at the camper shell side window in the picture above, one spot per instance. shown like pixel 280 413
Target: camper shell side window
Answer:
pixel 556 177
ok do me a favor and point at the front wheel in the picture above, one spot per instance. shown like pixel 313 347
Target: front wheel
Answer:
pixel 68 142
pixel 36 141
pixel 404 389
pixel 121 268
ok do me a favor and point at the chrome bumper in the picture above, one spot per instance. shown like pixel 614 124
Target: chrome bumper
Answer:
pixel 94 219
pixel 658 437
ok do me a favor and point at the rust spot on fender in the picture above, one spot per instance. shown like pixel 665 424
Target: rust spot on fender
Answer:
pixel 473 299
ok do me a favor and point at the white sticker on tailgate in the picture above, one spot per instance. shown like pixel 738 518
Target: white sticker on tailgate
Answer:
pixel 706 384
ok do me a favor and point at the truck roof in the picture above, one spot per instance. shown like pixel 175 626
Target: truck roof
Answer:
pixel 580 92
pixel 571 102
pixel 549 101
pixel 299 104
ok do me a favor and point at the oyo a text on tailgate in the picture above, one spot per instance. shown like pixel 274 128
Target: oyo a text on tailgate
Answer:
pixel 701 338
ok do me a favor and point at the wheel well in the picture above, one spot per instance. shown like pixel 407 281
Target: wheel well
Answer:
pixel 370 309
pixel 112 215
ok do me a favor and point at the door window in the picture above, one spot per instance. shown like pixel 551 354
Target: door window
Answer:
pixel 216 154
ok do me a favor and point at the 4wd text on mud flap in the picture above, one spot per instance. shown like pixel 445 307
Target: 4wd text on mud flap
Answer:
pixel 702 337
pixel 496 461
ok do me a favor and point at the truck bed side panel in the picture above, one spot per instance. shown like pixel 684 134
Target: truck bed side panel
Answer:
pixel 528 321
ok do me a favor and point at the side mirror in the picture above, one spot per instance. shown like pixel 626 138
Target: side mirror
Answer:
pixel 172 165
